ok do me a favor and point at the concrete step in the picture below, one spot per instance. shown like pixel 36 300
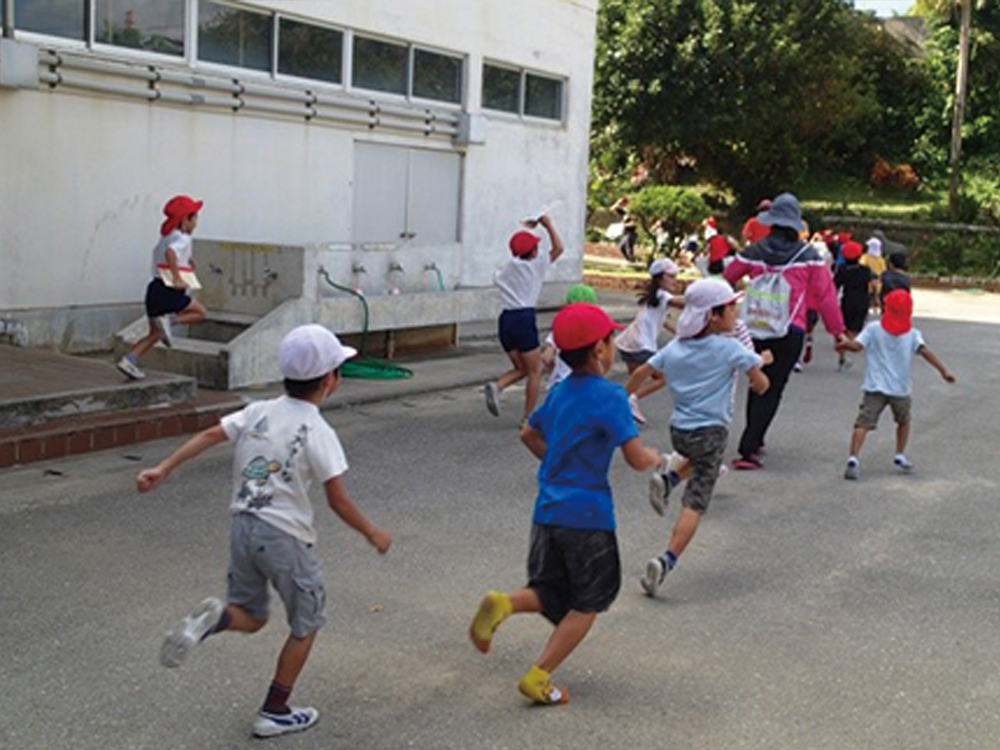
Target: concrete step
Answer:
pixel 39 386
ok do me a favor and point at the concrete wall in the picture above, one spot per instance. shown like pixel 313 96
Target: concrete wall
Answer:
pixel 85 174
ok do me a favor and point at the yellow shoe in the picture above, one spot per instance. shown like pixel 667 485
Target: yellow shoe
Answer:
pixel 493 609
pixel 537 686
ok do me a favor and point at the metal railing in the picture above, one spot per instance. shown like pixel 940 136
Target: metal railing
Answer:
pixel 59 68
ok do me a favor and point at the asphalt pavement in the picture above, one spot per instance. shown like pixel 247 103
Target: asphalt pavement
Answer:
pixel 809 612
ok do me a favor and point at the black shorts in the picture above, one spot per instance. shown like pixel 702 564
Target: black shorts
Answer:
pixel 635 358
pixel 518 330
pixel 164 300
pixel 854 318
pixel 573 569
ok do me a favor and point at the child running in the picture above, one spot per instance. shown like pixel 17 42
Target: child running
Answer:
pixel 699 365
pixel 520 283
pixel 855 283
pixel 889 345
pixel 573 567
pixel 638 342
pixel 281 447
pixel 167 300
pixel 552 363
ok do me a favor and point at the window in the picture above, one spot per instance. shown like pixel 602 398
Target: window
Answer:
pixel 504 90
pixel 310 51
pixel 386 66
pixel 62 18
pixel 380 66
pixel 543 97
pixel 437 76
pixel 234 37
pixel 150 25
pixel 501 89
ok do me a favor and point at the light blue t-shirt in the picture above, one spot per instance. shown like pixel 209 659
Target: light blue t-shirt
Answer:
pixel 699 373
pixel 583 420
pixel 888 359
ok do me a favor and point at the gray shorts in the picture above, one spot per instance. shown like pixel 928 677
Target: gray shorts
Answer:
pixel 705 448
pixel 261 553
pixel 873 404
pixel 635 358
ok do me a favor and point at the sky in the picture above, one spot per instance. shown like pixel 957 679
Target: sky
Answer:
pixel 884 7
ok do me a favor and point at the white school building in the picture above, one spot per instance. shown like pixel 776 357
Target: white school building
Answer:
pixel 391 144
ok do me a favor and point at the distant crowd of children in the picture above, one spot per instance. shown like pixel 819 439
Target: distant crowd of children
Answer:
pixel 283 446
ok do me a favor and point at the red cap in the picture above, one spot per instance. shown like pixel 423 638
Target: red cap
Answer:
pixel 177 209
pixel 718 248
pixel 711 221
pixel 523 243
pixel 897 312
pixel 580 325
pixel 851 250
pixel 844 237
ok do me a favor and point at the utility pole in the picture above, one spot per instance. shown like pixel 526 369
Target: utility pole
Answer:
pixel 961 84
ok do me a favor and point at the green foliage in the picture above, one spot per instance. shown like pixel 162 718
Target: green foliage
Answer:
pixel 955 254
pixel 680 209
pixel 751 94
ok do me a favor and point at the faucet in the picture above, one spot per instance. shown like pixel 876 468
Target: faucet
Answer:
pixel 358 268
pixel 213 268
pixel 269 275
pixel 395 267
pixel 432 266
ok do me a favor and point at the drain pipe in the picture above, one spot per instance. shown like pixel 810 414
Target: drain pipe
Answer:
pixel 8 19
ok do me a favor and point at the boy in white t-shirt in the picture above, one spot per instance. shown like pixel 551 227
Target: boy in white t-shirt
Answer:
pixel 698 366
pixel 167 299
pixel 520 283
pixel 889 345
pixel 281 447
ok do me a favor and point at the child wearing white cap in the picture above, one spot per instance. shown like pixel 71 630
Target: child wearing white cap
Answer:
pixel 638 342
pixel 698 366
pixel 281 447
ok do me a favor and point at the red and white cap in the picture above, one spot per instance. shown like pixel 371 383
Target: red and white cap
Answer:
pixel 700 298
pixel 311 351
pixel 580 325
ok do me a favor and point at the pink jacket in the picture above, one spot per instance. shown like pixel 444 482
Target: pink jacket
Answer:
pixel 808 276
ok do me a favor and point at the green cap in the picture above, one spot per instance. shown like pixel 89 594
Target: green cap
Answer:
pixel 581 293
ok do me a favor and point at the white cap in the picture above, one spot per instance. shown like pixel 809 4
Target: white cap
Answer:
pixel 664 265
pixel 311 351
pixel 699 299
pixel 874 246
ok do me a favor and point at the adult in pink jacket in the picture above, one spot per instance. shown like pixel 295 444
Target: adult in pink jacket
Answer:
pixel 811 287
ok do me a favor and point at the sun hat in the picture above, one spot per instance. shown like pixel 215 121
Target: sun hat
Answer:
pixel 581 293
pixel 897 312
pixel 663 265
pixel 580 325
pixel 700 298
pixel 176 210
pixel 523 243
pixel 851 250
pixel 783 212
pixel 311 351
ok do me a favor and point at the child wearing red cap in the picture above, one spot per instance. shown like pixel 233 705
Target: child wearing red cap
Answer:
pixel 573 567
pixel 520 283
pixel 855 283
pixel 167 300
pixel 889 345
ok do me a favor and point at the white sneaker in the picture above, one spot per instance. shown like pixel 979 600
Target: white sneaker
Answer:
pixel 163 325
pixel 656 571
pixel 271 725
pixel 192 629
pixel 852 469
pixel 904 464
pixel 130 368
pixel 633 404
pixel 492 393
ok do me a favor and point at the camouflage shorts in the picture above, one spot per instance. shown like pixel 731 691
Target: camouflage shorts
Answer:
pixel 705 448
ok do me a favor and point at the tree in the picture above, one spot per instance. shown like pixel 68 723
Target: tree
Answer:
pixel 751 94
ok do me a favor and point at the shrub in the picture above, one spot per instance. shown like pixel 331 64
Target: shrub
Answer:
pixel 680 209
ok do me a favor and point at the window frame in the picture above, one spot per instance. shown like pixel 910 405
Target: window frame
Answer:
pixel 290 77
pixel 140 55
pixel 197 62
pixel 522 94
pixel 411 50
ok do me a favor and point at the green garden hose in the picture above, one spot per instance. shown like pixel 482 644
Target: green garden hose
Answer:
pixel 361 366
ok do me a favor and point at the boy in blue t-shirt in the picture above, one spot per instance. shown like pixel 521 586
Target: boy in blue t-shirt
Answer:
pixel 573 566
pixel 699 365
pixel 889 346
